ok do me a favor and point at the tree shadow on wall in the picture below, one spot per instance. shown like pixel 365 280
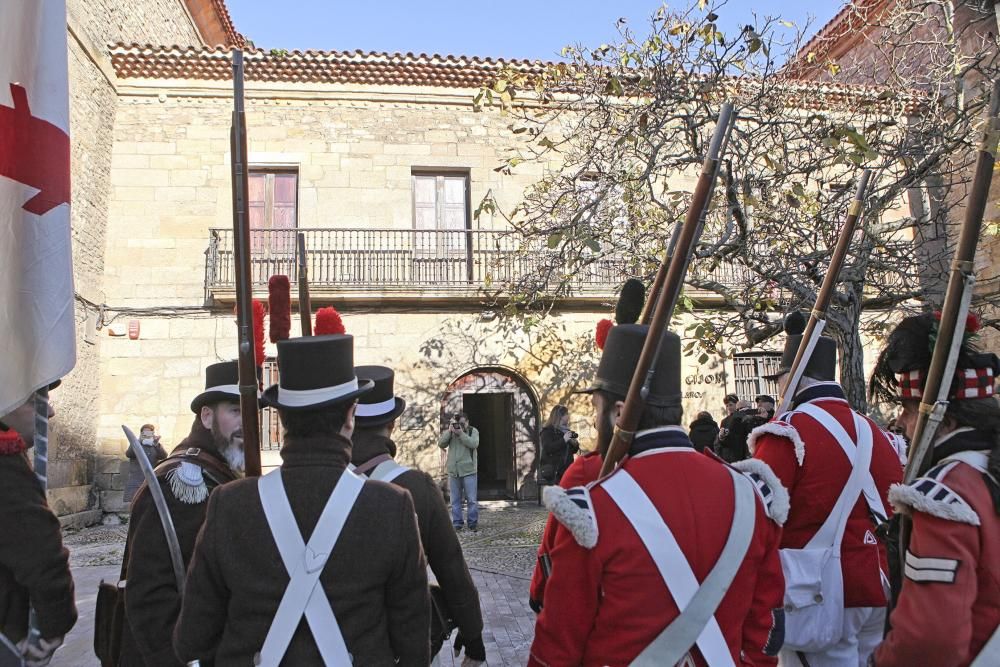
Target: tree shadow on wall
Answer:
pixel 554 361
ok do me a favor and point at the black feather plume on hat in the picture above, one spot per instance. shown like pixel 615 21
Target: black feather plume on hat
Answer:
pixel 795 323
pixel 630 302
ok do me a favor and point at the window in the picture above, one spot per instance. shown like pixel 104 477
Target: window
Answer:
pixel 749 369
pixel 441 244
pixel 273 205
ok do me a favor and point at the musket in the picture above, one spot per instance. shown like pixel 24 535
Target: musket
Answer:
pixel 934 400
pixel 817 318
pixel 666 301
pixel 305 307
pixel 244 293
pixel 156 492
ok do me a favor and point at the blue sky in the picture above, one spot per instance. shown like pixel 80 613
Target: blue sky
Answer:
pixel 507 28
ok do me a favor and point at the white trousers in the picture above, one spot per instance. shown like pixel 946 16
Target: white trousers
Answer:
pixel 863 627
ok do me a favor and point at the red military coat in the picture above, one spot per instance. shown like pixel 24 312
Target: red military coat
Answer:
pixel 814 469
pixel 604 604
pixel 584 470
pixel 950 602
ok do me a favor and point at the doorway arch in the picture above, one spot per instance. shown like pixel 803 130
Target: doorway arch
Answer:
pixel 505 405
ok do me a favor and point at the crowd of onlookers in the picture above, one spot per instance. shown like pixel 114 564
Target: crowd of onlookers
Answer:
pixel 728 438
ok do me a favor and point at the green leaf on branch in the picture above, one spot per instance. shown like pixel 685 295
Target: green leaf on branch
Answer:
pixel 554 240
pixel 614 87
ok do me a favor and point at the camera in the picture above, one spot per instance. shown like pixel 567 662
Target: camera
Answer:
pixel 574 435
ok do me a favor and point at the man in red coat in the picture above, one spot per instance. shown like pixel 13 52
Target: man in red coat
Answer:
pixel 808 448
pixel 949 606
pixel 634 548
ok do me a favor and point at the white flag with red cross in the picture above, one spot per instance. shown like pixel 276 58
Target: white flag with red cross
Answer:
pixel 37 333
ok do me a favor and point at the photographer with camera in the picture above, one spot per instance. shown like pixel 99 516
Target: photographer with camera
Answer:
pixel 558 444
pixel 461 440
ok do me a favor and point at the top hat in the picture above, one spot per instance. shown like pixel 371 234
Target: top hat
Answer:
pixel 823 362
pixel 380 405
pixel 620 357
pixel 315 372
pixel 901 369
pixel 222 383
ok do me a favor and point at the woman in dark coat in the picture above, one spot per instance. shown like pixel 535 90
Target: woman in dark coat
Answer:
pixel 559 445
pixel 703 431
pixel 154 452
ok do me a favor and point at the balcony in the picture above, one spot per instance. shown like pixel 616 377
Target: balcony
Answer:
pixel 412 266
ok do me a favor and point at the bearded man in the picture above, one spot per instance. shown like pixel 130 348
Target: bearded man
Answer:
pixel 211 455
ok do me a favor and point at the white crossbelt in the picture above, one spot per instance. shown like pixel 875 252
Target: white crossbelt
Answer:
pixel 697 602
pixel 836 429
pixel 305 563
pixel 387 471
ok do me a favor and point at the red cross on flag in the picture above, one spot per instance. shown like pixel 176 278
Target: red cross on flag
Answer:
pixel 37 334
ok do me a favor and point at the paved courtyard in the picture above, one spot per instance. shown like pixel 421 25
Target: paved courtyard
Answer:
pixel 501 557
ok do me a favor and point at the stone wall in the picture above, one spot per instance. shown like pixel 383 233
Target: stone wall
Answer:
pixel 92 25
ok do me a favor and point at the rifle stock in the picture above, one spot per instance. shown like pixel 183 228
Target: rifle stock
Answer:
pixel 666 300
pixel 244 292
pixel 817 318
pixel 305 306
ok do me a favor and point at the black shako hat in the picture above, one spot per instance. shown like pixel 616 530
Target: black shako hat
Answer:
pixel 222 383
pixel 621 355
pixel 823 362
pixel 315 372
pixel 380 405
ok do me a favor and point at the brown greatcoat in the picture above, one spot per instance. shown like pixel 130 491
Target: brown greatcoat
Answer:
pixel 375 578
pixel 444 553
pixel 34 564
pixel 152 601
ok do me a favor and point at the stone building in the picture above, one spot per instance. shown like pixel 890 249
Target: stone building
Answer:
pixel 380 161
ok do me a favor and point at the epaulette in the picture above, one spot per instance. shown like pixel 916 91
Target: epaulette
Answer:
pixel 187 483
pixel 929 494
pixel 573 509
pixel 782 429
pixel 768 487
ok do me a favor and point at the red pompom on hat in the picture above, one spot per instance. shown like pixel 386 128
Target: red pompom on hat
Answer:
pixel 258 333
pixel 328 321
pixel 279 305
pixel 601 335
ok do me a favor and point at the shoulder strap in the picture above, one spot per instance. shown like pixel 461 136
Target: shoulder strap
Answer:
pixel 990 655
pixel 671 563
pixel 831 532
pixel 682 633
pixel 836 429
pixel 387 471
pixel 305 564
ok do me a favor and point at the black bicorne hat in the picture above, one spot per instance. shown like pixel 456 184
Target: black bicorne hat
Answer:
pixel 380 405
pixel 315 372
pixel 900 371
pixel 621 355
pixel 823 362
pixel 222 383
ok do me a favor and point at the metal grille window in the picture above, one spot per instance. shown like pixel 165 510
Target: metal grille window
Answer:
pixel 749 369
pixel 270 425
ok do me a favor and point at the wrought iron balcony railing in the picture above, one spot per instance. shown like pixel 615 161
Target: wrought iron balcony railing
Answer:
pixel 404 262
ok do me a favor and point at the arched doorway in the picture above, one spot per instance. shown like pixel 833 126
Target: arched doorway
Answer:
pixel 503 406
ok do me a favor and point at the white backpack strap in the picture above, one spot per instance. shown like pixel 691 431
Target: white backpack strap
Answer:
pixel 669 559
pixel 678 637
pixel 832 531
pixel 387 471
pixel 836 429
pixel 990 655
pixel 305 563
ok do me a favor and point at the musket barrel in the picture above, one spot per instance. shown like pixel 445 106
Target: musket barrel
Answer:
pixel 305 306
pixel 244 292
pixel 665 303
pixel 817 319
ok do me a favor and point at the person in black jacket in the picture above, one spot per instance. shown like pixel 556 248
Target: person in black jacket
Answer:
pixel 559 445
pixel 703 431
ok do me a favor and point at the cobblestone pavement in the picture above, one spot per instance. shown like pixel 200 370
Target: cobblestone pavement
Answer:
pixel 501 557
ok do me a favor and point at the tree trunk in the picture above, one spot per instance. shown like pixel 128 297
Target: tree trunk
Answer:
pixel 851 350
